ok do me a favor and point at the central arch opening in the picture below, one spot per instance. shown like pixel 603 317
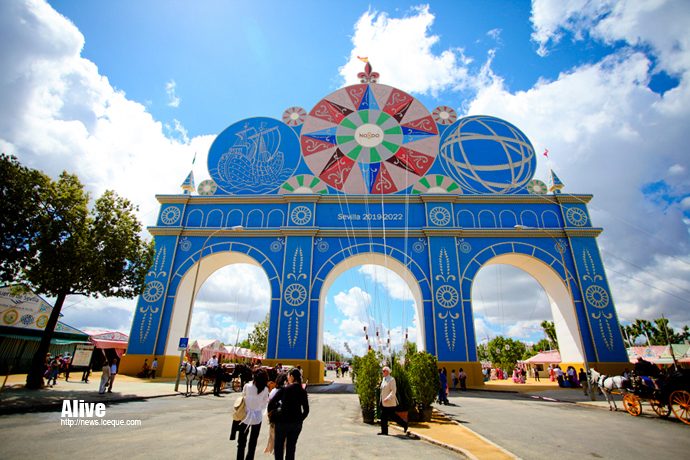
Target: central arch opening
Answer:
pixel 373 291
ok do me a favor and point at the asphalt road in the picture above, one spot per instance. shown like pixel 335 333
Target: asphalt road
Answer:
pixel 198 428
pixel 538 429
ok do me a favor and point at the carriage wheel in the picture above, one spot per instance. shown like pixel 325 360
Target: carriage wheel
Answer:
pixel 632 404
pixel 222 385
pixel 660 408
pixel 680 404
pixel 201 386
pixel 236 385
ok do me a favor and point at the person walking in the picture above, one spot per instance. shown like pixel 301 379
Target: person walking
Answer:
pixel 281 380
pixel 105 377
pixel 255 395
pixel 455 379
pixel 462 377
pixel 536 373
pixel 113 373
pixel 154 367
pixel 583 381
pixel 443 392
pixel 389 402
pixel 294 405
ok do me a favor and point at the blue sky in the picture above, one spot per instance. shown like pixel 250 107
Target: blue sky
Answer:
pixel 124 93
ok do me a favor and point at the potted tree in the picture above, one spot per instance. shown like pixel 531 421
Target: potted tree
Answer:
pixel 366 379
pixel 425 382
pixel 403 390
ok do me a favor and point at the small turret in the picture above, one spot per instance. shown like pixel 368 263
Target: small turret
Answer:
pixel 555 184
pixel 188 184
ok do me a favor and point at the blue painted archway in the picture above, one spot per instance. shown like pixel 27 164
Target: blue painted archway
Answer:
pixel 369 175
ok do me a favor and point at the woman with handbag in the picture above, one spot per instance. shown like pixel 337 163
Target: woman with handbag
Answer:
pixel 292 405
pixel 255 395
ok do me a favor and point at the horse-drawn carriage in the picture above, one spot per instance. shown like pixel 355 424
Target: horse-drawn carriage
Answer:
pixel 232 375
pixel 664 395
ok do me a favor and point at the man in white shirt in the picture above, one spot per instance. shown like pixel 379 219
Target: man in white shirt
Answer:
pixel 213 362
pixel 389 402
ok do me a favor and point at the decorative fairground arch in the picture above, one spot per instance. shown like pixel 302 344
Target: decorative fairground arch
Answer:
pixel 370 176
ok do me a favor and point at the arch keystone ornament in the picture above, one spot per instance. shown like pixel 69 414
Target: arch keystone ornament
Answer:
pixel 371 176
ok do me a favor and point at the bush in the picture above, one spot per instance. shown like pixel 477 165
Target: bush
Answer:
pixel 404 390
pixel 366 378
pixel 424 379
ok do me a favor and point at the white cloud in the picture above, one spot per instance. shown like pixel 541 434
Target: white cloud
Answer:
pixel 394 285
pixel 174 101
pixel 58 113
pixel 400 50
pixel 610 135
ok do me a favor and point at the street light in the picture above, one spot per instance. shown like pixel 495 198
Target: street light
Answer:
pixel 191 301
pixel 570 293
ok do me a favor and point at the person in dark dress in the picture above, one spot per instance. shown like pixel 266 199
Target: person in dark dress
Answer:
pixel 294 408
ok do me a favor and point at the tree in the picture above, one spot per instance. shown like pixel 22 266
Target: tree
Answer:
pixel 259 337
pixel 72 250
pixel 550 331
pixel 20 205
pixel 505 352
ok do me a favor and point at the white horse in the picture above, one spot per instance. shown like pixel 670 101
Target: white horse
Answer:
pixel 608 384
pixel 190 373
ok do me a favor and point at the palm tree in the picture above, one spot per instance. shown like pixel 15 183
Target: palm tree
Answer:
pixel 550 331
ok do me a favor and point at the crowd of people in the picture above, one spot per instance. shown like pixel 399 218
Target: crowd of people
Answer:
pixel 287 406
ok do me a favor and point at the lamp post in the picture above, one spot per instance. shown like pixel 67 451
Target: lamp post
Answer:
pixel 191 301
pixel 570 293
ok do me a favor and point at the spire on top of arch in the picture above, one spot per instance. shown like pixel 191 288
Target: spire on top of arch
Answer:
pixel 555 184
pixel 188 184
pixel 367 76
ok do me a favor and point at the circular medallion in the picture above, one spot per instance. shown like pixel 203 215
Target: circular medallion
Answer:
pixel 465 247
pixel 487 155
pixel 447 296
pixel 576 216
pixel 42 321
pixel 10 317
pixel 436 183
pixel 295 294
pixel 597 296
pixel 369 139
pixel 276 246
pixel 207 187
pixel 153 291
pixel 418 247
pixel 300 215
pixel 444 115
pixel 186 245
pixel 536 187
pixel 294 116
pixel 254 156
pixel 304 183
pixel 27 319
pixel 439 216
pixel 170 215
pixel 322 246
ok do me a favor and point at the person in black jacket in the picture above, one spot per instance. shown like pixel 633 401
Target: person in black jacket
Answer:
pixel 294 408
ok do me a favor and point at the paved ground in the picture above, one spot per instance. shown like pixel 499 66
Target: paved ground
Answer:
pixel 502 420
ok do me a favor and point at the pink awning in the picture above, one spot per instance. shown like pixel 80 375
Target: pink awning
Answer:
pixel 545 357
pixel 102 343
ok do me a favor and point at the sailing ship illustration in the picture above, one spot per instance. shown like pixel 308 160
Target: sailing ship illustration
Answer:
pixel 254 158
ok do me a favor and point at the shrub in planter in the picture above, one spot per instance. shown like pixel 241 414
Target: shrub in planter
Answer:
pixel 403 388
pixel 424 379
pixel 367 379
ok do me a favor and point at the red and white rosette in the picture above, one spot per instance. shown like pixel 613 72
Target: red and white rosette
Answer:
pixel 294 116
pixel 444 115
